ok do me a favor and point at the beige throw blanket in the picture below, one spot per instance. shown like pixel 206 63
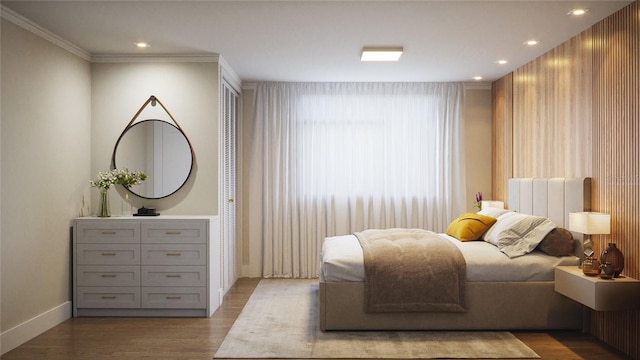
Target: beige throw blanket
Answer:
pixel 412 270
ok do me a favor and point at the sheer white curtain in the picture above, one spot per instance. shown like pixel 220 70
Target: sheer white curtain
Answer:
pixel 335 158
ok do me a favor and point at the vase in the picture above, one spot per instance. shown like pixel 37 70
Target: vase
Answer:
pixel 103 206
pixel 613 256
pixel 125 206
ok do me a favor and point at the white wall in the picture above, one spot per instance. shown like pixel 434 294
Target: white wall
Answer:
pixel 190 92
pixel 477 119
pixel 45 145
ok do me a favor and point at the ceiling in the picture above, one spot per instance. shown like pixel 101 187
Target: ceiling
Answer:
pixel 322 40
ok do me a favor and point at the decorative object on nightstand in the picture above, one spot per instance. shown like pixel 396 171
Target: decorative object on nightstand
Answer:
pixel 607 271
pixel 478 202
pixel 591 266
pixel 612 257
pixel 590 223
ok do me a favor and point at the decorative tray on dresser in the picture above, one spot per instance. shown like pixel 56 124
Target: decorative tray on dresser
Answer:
pixel 146 266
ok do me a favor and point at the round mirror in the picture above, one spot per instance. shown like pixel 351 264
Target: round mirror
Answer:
pixel 161 150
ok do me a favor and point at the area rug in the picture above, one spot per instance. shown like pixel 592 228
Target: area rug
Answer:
pixel 280 320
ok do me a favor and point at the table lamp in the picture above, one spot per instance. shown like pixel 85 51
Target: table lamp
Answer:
pixel 589 223
pixel 492 204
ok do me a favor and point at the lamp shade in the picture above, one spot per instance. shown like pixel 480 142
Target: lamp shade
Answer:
pixel 590 223
pixel 492 204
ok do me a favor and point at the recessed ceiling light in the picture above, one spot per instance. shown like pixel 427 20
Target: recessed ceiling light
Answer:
pixel 142 45
pixel 381 53
pixel 501 62
pixel 477 78
pixel 532 42
pixel 578 12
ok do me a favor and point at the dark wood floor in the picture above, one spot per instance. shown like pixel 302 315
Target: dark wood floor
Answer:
pixel 199 338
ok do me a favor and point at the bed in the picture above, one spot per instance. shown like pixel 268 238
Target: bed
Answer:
pixel 500 294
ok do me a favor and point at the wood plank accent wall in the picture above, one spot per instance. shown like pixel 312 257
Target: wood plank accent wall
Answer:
pixel 552 112
pixel 576 112
pixel 616 153
pixel 501 132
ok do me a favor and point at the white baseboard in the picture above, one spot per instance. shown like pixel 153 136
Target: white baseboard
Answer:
pixel 31 328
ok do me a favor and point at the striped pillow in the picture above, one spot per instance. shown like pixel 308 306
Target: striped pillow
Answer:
pixel 518 234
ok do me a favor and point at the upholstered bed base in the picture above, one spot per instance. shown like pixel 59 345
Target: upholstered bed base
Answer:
pixel 491 305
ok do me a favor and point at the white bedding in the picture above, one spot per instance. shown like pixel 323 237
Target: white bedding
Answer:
pixel 341 260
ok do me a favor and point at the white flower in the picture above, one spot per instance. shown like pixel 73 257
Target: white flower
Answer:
pixel 124 177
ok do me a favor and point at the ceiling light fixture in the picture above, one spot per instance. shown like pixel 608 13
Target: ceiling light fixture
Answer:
pixel 532 42
pixel 501 62
pixel 142 45
pixel 477 78
pixel 381 53
pixel 578 12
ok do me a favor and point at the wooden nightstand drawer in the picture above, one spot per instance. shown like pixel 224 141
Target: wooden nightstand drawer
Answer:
pixel 174 276
pixel 108 297
pixel 174 232
pixel 174 298
pixel 174 254
pixel 108 254
pixel 601 295
pixel 108 275
pixel 92 232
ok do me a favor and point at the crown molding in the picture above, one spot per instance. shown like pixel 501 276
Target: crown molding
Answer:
pixel 124 58
pixel 229 74
pixel 467 85
pixel 249 85
pixel 477 85
pixel 36 29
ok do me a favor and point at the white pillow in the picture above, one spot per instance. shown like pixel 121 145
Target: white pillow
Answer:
pixel 518 234
pixel 496 213
pixel 493 212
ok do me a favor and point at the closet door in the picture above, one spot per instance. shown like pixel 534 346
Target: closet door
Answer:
pixel 228 221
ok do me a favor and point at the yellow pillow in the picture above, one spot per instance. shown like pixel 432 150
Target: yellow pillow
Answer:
pixel 470 226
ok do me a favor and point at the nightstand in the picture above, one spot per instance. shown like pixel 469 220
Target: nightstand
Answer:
pixel 616 294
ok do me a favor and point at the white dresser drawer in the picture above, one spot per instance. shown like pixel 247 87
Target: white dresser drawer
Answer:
pixel 174 276
pixel 108 297
pixel 92 232
pixel 146 266
pixel 174 232
pixel 108 254
pixel 174 254
pixel 108 275
pixel 174 298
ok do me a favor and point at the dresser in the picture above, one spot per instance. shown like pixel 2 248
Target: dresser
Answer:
pixel 146 266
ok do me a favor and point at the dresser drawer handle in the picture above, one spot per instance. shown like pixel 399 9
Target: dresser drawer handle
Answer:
pixel 108 233
pixel 173 254
pixel 108 254
pixel 173 232
pixel 108 275
pixel 108 297
pixel 173 276
pixel 174 297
